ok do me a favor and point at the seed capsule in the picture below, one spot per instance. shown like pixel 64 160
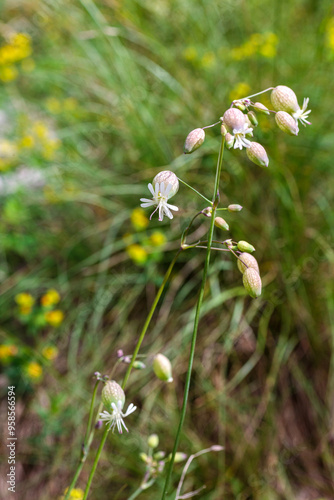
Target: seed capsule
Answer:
pixel 252 282
pixel 112 393
pixel 244 246
pixel 284 99
pixel 167 177
pixel 245 261
pixel 221 223
pixel 257 154
pixel 234 119
pixel 286 123
pixel 194 140
pixel 162 368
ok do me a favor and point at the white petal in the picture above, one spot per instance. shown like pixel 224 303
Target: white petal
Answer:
pixel 150 187
pixel 172 207
pixel 147 204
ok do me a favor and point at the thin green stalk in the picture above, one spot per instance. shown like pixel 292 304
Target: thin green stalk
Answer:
pixel 86 444
pixel 196 321
pixel 195 191
pixel 97 458
pixel 149 317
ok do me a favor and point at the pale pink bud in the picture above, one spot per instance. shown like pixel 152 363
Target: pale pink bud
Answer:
pixel 257 154
pixel 234 119
pixel 162 368
pixel 194 140
pixel 234 208
pixel 286 123
pixel 229 140
pixel 252 282
pixel 284 99
pixel 252 118
pixel 247 260
pixel 261 108
pixel 221 223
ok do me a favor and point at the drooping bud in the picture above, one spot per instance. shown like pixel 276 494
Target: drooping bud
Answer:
pixel 234 208
pixel 252 117
pixel 234 119
pixel 284 99
pixel 252 282
pixel 194 140
pixel 167 177
pixel 221 223
pixel 229 140
pixel 245 261
pixel 153 441
pixel 112 392
pixel 257 154
pixel 244 246
pixel 286 123
pixel 162 368
pixel 261 108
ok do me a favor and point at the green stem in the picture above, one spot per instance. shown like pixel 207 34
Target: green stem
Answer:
pixel 258 93
pixel 149 317
pixel 195 191
pixel 196 321
pixel 97 458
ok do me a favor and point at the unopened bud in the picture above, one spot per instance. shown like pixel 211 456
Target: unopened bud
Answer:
pixel 257 154
pixel 139 365
pixel 194 140
pixel 159 455
pixel 120 353
pixel 284 99
pixel 244 246
pixel 221 223
pixel 252 282
pixel 240 105
pixel 234 119
pixel 112 393
pixel 261 108
pixel 229 139
pixel 167 177
pixel 207 211
pixel 179 457
pixel 98 424
pixel 245 261
pixel 286 123
pixel 223 130
pixel 252 118
pixel 153 441
pixel 234 208
pixel 144 457
pixel 162 368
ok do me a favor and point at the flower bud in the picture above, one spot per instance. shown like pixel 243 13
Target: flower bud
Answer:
pixel 252 118
pixel 244 246
pixel 162 368
pixel 286 123
pixel 239 105
pixel 261 108
pixel 221 223
pixel 159 455
pixel 284 99
pixel 112 393
pixel 246 261
pixel 167 177
pixel 234 119
pixel 153 441
pixel 223 130
pixel 194 140
pixel 229 139
pixel 144 457
pixel 234 208
pixel 139 365
pixel 257 154
pixel 179 457
pixel 252 282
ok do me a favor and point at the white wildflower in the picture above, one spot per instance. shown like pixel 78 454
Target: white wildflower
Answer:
pixel 160 193
pixel 240 136
pixel 115 418
pixel 301 114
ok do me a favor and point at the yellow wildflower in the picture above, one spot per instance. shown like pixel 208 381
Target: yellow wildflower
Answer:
pixel 24 299
pixel 50 352
pixel 137 253
pixel 208 60
pixel 8 73
pixel 157 238
pixel 25 310
pixel 40 129
pixel 34 370
pixel 76 494
pixel 51 298
pixel 27 142
pixel 242 89
pixel 54 318
pixel 7 351
pixel 139 219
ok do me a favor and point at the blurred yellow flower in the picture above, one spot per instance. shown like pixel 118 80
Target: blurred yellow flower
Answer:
pixel 330 33
pixel 8 73
pixel 139 219
pixel 264 44
pixel 34 370
pixel 51 298
pixel 7 351
pixel 190 54
pixel 137 253
pixel 76 494
pixel 54 318
pixel 70 104
pixel 24 299
pixel 242 89
pixel 27 142
pixel 50 352
pixel 53 105
pixel 208 60
pixel 157 238
pixel 40 130
pixel 25 310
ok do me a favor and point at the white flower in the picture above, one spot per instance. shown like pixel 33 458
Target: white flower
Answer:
pixel 160 194
pixel 302 114
pixel 240 136
pixel 115 418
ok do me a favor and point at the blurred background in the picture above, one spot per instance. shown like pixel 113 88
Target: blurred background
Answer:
pixel 95 100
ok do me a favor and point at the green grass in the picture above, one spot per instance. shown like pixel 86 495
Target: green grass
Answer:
pixel 143 74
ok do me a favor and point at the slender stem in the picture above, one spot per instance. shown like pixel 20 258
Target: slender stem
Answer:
pixel 258 93
pixel 195 191
pixel 213 125
pixel 97 457
pixel 149 317
pixel 196 321
pixel 90 419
